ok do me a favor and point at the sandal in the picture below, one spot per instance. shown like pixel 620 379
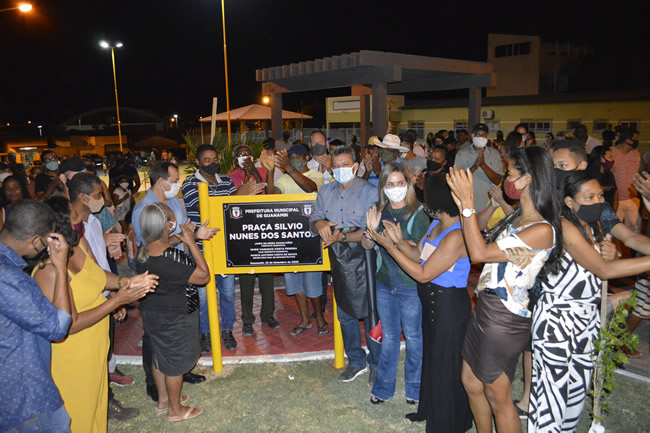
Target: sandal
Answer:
pixel 375 400
pixel 299 330
pixel 184 399
pixel 324 330
pixel 190 412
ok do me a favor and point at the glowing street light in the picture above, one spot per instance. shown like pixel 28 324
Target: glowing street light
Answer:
pixel 266 100
pixel 106 45
pixel 22 7
pixel 176 120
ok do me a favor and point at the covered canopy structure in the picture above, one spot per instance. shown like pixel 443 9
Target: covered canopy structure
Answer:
pixel 254 112
pixel 375 73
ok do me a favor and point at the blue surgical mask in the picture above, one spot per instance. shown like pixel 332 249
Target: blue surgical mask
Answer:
pixel 343 175
pixel 52 165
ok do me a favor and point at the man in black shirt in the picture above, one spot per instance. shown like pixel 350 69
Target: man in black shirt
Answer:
pixel 48 182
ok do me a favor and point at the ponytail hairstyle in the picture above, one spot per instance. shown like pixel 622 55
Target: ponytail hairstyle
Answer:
pixel 152 225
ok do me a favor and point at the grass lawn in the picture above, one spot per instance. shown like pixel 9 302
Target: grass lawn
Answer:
pixel 263 398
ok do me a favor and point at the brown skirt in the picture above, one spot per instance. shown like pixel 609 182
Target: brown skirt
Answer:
pixel 495 337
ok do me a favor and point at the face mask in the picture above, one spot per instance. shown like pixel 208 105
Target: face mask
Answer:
pixel 343 175
pixel 432 214
pixel 52 165
pixel 387 156
pixel 560 175
pixel 173 192
pixel 396 194
pixel 590 213
pixel 511 190
pixel 79 228
pixel 298 164
pixel 3 176
pixel 403 154
pixel 173 227
pixel 479 142
pixel 635 144
pixel 241 160
pixel 433 165
pixel 211 169
pixel 318 149
pixel 39 252
pixel 95 205
pixel 124 185
pixel 607 165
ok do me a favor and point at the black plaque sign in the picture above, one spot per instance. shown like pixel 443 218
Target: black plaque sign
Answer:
pixel 270 234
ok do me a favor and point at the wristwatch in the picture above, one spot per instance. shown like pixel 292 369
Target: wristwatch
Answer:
pixel 467 212
pixel 292 171
pixel 344 238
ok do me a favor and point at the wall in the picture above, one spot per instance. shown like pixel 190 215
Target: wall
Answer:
pixel 517 74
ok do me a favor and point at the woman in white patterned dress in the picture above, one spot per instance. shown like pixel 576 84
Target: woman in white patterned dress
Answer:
pixel 566 319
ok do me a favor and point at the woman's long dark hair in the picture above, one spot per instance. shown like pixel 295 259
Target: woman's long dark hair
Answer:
pixel 543 192
pixel 570 187
pixel 61 208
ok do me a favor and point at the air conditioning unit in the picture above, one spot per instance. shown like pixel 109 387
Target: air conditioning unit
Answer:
pixel 487 114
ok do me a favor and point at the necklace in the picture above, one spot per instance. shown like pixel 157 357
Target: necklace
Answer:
pixel 395 216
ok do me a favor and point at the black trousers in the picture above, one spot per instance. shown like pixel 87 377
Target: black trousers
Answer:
pixel 247 287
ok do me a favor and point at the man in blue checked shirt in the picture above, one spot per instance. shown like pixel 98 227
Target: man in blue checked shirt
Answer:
pixel 29 400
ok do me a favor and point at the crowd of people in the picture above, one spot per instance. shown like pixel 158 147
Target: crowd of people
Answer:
pixel 402 220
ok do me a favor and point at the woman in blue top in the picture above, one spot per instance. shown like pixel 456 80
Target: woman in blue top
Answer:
pixel 397 297
pixel 441 266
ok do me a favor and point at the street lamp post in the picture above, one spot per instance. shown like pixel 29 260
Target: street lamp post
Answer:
pixel 176 120
pixel 23 7
pixel 225 64
pixel 106 45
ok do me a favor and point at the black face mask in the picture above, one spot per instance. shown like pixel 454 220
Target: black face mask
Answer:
pixel 560 175
pixel 318 149
pixel 635 144
pixel 433 165
pixel 590 213
pixel 211 169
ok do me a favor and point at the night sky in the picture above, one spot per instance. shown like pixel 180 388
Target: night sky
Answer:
pixel 172 60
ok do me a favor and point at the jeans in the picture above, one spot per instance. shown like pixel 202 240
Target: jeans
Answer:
pixel 351 331
pixel 399 310
pixel 57 421
pixel 246 288
pixel 226 288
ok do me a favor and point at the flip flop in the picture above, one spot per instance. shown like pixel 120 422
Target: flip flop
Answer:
pixel 299 330
pixel 323 330
pixel 184 399
pixel 190 412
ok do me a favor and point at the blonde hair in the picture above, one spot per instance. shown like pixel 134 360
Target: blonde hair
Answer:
pixel 152 226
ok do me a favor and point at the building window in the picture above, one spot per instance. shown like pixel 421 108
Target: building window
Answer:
pixel 460 124
pixel 631 124
pixel 538 125
pixel 572 124
pixel 493 125
pixel 418 126
pixel 599 125
pixel 519 49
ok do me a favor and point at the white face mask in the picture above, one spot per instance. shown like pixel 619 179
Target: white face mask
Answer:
pixel 173 192
pixel 124 185
pixel 173 227
pixel 343 175
pixel 396 194
pixel 3 176
pixel 241 160
pixel 479 142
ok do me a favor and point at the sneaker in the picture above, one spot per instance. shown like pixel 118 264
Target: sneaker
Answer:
pixel 371 377
pixel 117 411
pixel 228 340
pixel 120 379
pixel 206 345
pixel 351 373
pixel 273 324
pixel 247 330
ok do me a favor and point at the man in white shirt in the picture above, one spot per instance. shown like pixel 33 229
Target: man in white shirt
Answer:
pixel 590 142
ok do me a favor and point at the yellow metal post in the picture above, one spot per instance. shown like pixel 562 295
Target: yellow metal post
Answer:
pixel 339 362
pixel 213 307
pixel 225 63
pixel 117 104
